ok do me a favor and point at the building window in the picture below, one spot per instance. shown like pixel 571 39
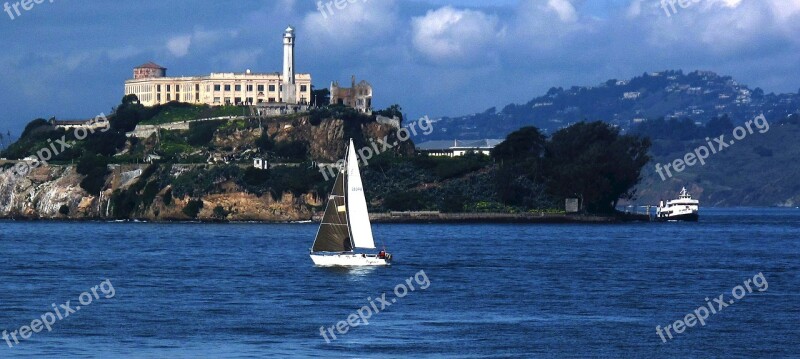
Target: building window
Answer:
pixel 177 96
pixel 217 99
pixel 169 88
pixel 158 98
pixel 249 88
pixel 196 97
pixel 158 88
pixel 217 88
pixel 303 88
pixel 197 87
pixel 271 99
pixel 177 88
pixel 227 100
pixel 238 88
pixel 260 88
pixel 271 88
pixel 169 97
pixel 238 100
pixel 227 87
pixel 249 100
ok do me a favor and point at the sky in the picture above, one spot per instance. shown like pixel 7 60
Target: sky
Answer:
pixel 70 58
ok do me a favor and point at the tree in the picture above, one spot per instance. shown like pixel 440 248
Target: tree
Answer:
pixel 593 161
pixel 35 125
pixel 95 170
pixel 524 143
pixel 220 213
pixel 320 97
pixel 193 208
pixel 392 112
pixel 519 176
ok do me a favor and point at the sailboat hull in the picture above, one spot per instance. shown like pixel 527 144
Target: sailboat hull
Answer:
pixel 348 260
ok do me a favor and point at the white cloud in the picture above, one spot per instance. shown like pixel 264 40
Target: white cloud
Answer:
pixel 355 25
pixel 447 34
pixel 178 46
pixel 634 9
pixel 566 12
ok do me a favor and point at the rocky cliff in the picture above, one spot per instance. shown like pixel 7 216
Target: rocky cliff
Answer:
pixel 54 191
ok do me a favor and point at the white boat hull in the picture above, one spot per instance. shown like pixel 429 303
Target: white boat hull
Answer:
pixel 348 260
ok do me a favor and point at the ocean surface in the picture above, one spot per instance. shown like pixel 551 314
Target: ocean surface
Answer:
pixel 531 291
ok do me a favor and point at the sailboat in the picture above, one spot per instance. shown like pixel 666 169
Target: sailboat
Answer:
pixel 345 225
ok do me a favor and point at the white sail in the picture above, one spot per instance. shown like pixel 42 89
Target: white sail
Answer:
pixel 357 204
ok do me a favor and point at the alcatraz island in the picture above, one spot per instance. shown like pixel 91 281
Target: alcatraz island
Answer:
pixel 262 147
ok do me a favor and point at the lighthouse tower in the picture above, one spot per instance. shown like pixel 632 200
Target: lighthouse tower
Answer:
pixel 289 92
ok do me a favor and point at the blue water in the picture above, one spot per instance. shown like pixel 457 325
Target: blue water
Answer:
pixel 250 291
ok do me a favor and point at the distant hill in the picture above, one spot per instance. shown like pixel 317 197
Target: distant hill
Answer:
pixel 699 95
pixel 677 111
pixel 760 170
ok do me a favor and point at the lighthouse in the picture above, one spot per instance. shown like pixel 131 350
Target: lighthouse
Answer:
pixel 289 92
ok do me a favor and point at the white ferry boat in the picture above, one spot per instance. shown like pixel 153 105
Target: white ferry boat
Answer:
pixel 682 209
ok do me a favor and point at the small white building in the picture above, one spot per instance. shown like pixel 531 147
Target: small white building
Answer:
pixel 152 158
pixel 457 148
pixel 261 164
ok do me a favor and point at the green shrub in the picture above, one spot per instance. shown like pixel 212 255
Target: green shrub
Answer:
pixel 294 151
pixel 193 208
pixel 220 213
pixel 168 197
pixel 95 168
pixel 201 133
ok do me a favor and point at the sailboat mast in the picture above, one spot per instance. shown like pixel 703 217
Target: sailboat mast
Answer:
pixel 346 180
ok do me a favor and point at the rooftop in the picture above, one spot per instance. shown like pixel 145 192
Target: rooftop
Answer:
pixel 150 65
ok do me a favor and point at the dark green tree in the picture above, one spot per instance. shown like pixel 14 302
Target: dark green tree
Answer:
pixel 592 161
pixel 193 208
pixel 519 175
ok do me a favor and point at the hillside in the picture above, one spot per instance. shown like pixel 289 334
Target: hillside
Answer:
pixel 760 170
pixel 699 95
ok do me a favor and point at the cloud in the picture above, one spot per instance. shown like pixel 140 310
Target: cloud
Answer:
pixel 356 25
pixel 448 35
pixel 178 46
pixel 566 12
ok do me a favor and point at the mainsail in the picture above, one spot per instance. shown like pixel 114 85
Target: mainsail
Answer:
pixel 357 204
pixel 333 234
pixel 345 224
